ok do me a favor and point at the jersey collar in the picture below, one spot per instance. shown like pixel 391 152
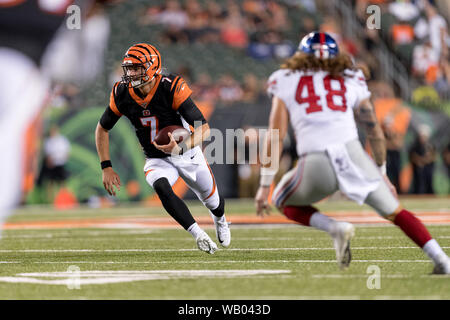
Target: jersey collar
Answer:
pixel 144 102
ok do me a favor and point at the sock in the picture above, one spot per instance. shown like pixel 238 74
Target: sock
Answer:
pixel 308 216
pixel 218 219
pixel 195 230
pixel 434 250
pixel 220 210
pixel 173 204
pixel 300 214
pixel 321 222
pixel 412 227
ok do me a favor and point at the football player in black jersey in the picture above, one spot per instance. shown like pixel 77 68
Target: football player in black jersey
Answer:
pixel 152 101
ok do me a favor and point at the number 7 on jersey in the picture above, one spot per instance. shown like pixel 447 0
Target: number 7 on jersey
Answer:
pixel 151 122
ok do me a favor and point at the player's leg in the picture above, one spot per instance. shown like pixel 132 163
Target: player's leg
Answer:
pixel 387 205
pixel 161 175
pixel 19 113
pixel 199 177
pixel 312 180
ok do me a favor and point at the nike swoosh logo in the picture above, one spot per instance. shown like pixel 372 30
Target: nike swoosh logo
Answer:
pixel 192 157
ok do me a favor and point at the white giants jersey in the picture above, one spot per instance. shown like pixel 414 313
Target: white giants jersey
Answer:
pixel 320 107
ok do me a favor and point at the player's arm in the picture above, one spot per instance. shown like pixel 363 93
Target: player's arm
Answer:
pixel 109 176
pixel 273 146
pixel 193 116
pixel 365 115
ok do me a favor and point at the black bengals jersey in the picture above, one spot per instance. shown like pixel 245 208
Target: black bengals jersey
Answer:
pixel 166 103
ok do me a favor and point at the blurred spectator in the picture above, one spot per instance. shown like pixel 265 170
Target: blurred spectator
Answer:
pixel 435 27
pixel 278 16
pixel 270 44
pixel 173 15
pixel 56 154
pixel 394 118
pixel 229 89
pixel 424 58
pixel 381 90
pixel 404 10
pixel 422 156
pixel 308 5
pixel 442 83
pixel 233 32
pixel 198 28
pixel 257 17
pixel 251 88
pixel 248 165
pixel 78 57
pixel 426 96
pixel 402 33
pixel 204 89
pixel 173 34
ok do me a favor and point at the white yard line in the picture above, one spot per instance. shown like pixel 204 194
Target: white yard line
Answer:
pixel 216 262
pixel 183 250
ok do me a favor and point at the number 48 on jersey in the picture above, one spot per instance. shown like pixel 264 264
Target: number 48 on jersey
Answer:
pixel 312 99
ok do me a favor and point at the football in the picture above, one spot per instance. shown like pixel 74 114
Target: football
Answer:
pixel 179 133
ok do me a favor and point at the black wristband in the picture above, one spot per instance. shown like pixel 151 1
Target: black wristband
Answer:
pixel 106 164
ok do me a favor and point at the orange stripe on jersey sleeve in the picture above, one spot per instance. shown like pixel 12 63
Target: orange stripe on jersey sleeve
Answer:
pixel 181 93
pixel 173 82
pixel 112 102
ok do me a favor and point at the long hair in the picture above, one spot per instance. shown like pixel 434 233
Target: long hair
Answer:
pixel 335 66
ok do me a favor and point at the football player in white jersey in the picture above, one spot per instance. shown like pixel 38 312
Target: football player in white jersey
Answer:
pixel 320 92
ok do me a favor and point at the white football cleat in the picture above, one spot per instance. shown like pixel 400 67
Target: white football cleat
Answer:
pixel 342 233
pixel 442 266
pixel 205 243
pixel 223 233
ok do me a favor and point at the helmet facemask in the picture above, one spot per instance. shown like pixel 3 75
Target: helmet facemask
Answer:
pixel 136 74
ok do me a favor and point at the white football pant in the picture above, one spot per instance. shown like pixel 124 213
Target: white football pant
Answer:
pixel 192 168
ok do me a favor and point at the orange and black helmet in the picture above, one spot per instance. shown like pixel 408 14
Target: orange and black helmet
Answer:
pixel 141 63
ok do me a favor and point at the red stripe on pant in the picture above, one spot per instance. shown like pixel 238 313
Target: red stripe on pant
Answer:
pixel 412 227
pixel 300 214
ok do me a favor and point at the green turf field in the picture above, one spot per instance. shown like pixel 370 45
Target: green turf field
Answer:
pixel 263 262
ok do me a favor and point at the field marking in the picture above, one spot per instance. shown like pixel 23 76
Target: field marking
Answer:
pixel 184 250
pixel 107 277
pixel 216 261
pixel 101 235
pixel 390 276
pixel 164 222
pixel 322 297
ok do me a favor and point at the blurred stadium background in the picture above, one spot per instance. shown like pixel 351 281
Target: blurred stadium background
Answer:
pixel 226 49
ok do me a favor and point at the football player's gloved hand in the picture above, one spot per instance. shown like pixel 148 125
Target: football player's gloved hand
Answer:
pixel 171 148
pixel 261 201
pixel 110 179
